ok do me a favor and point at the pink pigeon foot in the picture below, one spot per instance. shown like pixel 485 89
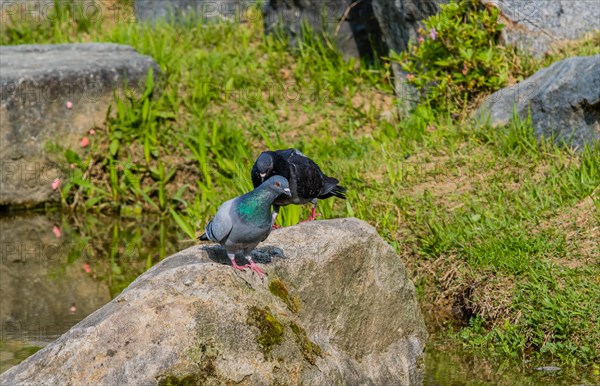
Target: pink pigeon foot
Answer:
pixel 255 268
pixel 239 267
pixel 313 215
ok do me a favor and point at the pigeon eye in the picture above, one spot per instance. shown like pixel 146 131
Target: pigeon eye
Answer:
pixel 277 184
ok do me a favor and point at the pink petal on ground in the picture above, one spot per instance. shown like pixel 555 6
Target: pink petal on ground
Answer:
pixel 56 231
pixel 84 142
pixel 92 131
pixel 69 105
pixel 86 267
pixel 56 184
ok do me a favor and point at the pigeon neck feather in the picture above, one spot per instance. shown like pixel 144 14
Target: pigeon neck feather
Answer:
pixel 253 204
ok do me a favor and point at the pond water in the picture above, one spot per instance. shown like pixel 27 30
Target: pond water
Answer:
pixel 57 269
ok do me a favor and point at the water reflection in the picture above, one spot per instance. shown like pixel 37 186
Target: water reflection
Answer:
pixel 56 269
pixel 447 364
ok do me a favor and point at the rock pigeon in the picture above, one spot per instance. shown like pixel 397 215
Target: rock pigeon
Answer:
pixel 307 181
pixel 243 222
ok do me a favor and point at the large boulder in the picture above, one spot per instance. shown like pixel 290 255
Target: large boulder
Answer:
pixel 400 21
pixel 351 24
pixel 564 101
pixel 337 308
pixel 36 83
pixel 196 10
pixel 534 26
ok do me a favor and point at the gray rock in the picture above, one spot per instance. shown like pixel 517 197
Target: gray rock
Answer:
pixel 548 368
pixel 348 315
pixel 197 10
pixel 564 100
pixel 36 82
pixel 352 25
pixel 399 22
pixel 535 25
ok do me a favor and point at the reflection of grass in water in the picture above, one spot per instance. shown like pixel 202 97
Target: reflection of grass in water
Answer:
pixel 447 363
pixel 14 352
pixel 118 250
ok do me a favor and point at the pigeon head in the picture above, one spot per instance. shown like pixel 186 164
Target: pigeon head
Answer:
pixel 278 184
pixel 264 164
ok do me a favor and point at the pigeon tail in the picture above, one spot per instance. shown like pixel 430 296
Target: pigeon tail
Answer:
pixel 208 234
pixel 339 191
pixel 331 188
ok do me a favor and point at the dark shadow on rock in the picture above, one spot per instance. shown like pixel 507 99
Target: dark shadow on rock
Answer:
pixel 351 24
pixel 366 31
pixel 263 255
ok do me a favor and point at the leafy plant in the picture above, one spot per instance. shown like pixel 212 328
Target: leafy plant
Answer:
pixel 456 57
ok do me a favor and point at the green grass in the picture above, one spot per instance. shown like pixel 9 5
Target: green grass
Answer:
pixel 480 215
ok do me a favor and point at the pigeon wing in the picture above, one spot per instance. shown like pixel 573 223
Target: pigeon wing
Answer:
pixel 307 174
pixel 220 227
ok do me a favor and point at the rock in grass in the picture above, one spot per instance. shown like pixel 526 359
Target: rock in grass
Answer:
pixel 56 93
pixel 564 101
pixel 548 368
pixel 534 26
pixel 351 25
pixel 191 318
pixel 194 10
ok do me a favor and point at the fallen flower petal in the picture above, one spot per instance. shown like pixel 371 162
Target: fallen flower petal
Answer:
pixel 84 142
pixel 433 34
pixel 56 231
pixel 56 184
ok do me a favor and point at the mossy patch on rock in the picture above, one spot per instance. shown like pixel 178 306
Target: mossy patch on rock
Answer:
pixel 310 349
pixel 188 380
pixel 279 289
pixel 206 372
pixel 271 329
pixel 204 356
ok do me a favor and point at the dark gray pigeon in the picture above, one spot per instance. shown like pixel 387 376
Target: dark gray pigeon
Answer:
pixel 307 182
pixel 243 222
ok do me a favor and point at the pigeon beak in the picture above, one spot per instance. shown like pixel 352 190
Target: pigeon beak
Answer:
pixel 262 176
pixel 287 192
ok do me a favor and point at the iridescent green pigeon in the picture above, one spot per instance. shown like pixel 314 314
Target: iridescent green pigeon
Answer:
pixel 243 222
